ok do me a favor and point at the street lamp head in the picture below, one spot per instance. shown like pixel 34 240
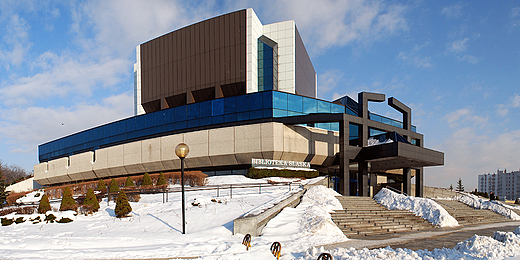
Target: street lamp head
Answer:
pixel 182 150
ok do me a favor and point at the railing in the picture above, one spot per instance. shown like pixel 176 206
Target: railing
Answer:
pixel 217 188
pixel 396 190
pixel 444 204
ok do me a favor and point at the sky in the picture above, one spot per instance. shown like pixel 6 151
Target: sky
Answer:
pixel 66 66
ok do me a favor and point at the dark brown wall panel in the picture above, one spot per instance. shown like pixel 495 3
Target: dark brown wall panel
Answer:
pixel 208 54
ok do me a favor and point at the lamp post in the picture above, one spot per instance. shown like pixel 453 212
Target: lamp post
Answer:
pixel 182 151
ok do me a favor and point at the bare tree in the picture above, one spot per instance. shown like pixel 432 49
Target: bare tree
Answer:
pixel 12 173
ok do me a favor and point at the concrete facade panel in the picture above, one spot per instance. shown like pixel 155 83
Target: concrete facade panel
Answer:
pixel 132 158
pixel 221 141
pixel 115 160
pixel 40 173
pixel 198 143
pixel 169 160
pixel 100 165
pixel 247 139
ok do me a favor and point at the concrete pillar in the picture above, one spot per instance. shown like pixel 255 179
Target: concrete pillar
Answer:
pixel 407 180
pixel 419 179
pixel 363 179
pixel 344 162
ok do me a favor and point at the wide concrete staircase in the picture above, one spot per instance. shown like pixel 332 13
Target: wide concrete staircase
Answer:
pixel 362 216
pixel 468 216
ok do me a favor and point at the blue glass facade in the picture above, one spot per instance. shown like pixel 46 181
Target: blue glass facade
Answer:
pixel 267 66
pixel 260 105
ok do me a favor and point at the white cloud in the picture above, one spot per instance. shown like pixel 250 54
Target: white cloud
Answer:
pixel 458 46
pixel 15 42
pixel 416 60
pixel 329 81
pixel 452 11
pixel 337 23
pixel 465 116
pixel 514 102
pixel 467 154
pixel 28 127
pixel 469 58
pixel 63 76
pixel 414 57
pixel 135 22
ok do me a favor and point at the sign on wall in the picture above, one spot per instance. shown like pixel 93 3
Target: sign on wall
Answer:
pixel 279 163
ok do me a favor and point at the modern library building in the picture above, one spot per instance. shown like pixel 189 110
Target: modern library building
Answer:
pixel 239 92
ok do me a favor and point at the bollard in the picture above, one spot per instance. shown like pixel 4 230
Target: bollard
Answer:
pixel 231 190
pixel 217 191
pixel 247 241
pixel 260 189
pixel 276 249
pixel 325 256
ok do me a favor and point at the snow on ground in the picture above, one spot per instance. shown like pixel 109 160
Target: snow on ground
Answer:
pixel 154 231
pixel 422 207
pixel 479 203
pixel 477 247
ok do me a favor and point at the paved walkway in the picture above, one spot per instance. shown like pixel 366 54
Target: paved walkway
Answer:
pixel 438 238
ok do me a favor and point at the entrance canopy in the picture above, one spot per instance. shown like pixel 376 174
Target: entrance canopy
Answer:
pixel 397 155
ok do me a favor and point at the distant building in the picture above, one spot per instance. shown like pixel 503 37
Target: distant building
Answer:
pixel 502 183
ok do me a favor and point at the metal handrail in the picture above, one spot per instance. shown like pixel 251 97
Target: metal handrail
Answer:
pixel 437 201
pixel 396 190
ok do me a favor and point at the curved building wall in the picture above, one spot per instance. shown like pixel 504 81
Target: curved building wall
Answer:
pixel 225 146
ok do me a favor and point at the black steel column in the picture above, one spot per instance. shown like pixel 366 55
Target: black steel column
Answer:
pixel 363 179
pixel 344 162
pixel 419 188
pixel 407 181
pixel 373 182
pixel 182 189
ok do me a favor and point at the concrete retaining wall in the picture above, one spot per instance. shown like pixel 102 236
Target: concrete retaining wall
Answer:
pixel 26 185
pixel 255 224
pixel 433 192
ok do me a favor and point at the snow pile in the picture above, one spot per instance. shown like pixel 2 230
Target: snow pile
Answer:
pixel 422 207
pixel 32 197
pixel 477 247
pixel 478 203
pixel 310 221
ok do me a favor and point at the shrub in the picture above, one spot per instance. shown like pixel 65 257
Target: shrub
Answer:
pixel 517 201
pixel 13 196
pixel 147 181
pixel 7 221
pixel 19 220
pixel 263 173
pixel 91 200
pixel 64 220
pixel 18 210
pixel 44 204
pixel 67 201
pixel 101 185
pixel 50 218
pixel 36 220
pixel 123 207
pixel 134 197
pixel 161 180
pixel 129 182
pixel 113 187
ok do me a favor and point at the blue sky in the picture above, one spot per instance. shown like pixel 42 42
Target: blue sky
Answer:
pixel 68 65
